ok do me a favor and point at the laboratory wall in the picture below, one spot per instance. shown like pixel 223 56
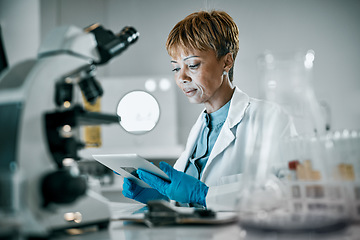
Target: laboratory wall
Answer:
pixel 20 23
pixel 329 27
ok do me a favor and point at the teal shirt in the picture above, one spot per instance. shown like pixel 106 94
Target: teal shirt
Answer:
pixel 212 124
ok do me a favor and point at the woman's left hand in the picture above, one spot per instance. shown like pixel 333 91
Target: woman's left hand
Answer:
pixel 182 187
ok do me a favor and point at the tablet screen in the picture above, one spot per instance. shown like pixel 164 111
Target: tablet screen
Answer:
pixel 127 165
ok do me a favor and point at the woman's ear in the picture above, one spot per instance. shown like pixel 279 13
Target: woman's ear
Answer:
pixel 228 62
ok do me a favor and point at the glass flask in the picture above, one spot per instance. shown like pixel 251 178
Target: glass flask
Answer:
pixel 292 177
pixel 286 79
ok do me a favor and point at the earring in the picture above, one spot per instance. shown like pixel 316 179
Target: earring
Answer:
pixel 224 73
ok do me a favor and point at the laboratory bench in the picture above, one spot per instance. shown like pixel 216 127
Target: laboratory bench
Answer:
pixel 126 230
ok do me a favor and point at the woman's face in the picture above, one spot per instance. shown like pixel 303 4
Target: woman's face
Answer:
pixel 199 74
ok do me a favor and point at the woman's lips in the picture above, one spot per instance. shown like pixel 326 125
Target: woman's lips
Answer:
pixel 190 92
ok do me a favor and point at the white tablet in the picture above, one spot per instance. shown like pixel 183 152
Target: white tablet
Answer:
pixel 127 165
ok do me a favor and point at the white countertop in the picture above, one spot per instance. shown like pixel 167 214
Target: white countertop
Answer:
pixel 122 230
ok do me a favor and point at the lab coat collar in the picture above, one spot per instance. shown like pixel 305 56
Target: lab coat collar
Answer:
pixel 239 103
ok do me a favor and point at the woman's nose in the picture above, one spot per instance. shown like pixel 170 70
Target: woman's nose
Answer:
pixel 183 77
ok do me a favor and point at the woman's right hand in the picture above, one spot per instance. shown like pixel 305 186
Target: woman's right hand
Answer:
pixel 133 191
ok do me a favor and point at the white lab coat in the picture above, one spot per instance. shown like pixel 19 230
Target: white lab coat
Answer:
pixel 223 170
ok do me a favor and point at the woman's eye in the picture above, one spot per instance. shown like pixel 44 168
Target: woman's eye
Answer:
pixel 176 69
pixel 194 66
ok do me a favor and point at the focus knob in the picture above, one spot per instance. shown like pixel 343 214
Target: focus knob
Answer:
pixel 61 187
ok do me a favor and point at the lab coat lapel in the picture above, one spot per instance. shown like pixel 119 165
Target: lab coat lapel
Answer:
pixel 238 105
pixel 224 139
pixel 190 145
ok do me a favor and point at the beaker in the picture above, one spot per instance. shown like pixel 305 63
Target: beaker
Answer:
pixel 287 79
pixel 288 184
pixel 292 187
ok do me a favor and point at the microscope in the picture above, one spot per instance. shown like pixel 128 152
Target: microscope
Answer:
pixel 40 117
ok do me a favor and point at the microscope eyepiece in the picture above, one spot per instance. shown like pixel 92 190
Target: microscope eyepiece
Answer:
pixel 110 45
pixel 128 34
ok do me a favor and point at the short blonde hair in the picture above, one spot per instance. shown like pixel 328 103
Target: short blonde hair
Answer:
pixel 203 31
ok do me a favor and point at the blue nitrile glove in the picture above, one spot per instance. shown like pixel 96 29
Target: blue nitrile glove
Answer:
pixel 140 194
pixel 182 188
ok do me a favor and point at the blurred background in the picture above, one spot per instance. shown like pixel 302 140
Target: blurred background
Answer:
pixel 329 27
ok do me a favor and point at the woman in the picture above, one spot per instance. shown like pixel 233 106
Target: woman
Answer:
pixel 203 48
